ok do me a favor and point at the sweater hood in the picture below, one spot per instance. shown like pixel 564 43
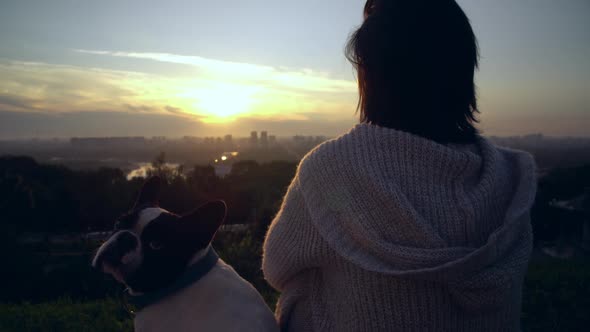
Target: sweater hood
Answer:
pixel 398 204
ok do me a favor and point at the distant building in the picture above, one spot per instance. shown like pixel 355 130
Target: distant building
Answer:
pixel 320 139
pixel 298 139
pixel 108 142
pixel 228 142
pixel 242 142
pixel 254 138
pixel 190 139
pixel 264 139
pixel 272 140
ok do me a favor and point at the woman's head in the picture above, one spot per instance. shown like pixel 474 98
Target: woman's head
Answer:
pixel 416 61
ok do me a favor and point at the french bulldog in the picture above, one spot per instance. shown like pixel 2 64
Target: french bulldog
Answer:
pixel 172 273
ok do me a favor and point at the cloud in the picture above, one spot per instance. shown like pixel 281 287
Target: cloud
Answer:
pixel 225 67
pixel 41 99
pixel 173 110
pixel 221 91
pixel 14 102
pixel 303 79
pixel 54 97
pixel 95 123
pixel 62 88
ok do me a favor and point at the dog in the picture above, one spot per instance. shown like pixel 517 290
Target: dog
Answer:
pixel 173 275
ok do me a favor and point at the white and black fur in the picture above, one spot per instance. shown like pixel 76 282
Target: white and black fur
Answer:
pixel 152 247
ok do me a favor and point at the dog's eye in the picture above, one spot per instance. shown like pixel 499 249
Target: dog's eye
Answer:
pixel 155 245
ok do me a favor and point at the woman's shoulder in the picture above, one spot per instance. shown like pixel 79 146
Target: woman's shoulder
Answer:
pixel 518 158
pixel 327 154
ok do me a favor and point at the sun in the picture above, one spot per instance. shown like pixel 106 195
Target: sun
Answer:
pixel 222 102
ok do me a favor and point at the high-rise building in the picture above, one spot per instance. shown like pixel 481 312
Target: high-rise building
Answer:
pixel 108 142
pixel 298 139
pixel 254 138
pixel 264 138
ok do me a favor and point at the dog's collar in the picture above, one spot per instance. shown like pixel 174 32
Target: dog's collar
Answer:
pixel 193 274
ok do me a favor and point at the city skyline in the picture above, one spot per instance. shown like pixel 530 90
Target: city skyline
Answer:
pixel 248 135
pixel 140 68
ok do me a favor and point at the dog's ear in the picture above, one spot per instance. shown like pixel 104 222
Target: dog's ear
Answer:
pixel 149 193
pixel 207 219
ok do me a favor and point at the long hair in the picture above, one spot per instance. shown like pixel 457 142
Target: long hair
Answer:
pixel 416 61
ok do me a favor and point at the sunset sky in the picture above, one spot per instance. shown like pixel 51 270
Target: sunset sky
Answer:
pixel 195 67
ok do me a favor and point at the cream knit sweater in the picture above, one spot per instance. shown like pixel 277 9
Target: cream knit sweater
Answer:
pixel 382 230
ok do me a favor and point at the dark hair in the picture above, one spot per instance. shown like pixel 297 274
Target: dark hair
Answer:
pixel 416 61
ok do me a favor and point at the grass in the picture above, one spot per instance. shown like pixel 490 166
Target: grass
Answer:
pixel 556 298
pixel 65 316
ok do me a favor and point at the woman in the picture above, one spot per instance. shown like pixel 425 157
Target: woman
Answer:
pixel 411 221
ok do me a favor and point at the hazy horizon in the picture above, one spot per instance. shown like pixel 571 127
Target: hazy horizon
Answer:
pixel 200 68
pixel 246 135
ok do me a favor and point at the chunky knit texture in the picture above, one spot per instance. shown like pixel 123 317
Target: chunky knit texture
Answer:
pixel 382 230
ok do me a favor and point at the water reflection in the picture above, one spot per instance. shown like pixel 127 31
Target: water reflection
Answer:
pixel 143 169
pixel 224 164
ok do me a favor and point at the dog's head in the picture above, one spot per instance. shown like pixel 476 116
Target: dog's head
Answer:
pixel 150 246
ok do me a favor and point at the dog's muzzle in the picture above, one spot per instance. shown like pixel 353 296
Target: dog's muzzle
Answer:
pixel 116 250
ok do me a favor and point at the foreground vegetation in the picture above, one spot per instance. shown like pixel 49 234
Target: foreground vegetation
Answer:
pixel 556 295
pixel 65 316
pixel 51 287
pixel 556 298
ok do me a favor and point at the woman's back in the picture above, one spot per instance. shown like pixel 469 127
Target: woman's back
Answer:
pixel 412 221
pixel 385 230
